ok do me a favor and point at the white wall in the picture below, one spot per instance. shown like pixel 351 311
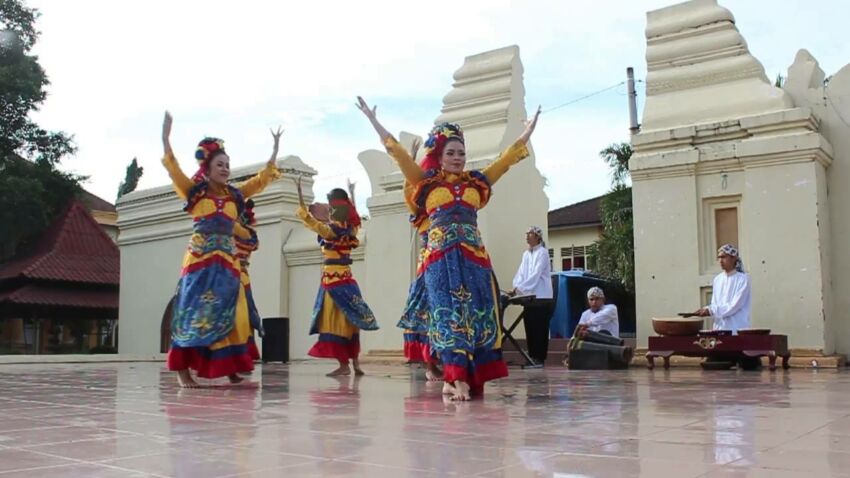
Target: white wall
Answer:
pixel 831 105
pixel 154 233
pixel 285 271
pixel 714 128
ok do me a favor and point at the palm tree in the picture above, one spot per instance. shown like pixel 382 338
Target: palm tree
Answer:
pixel 617 156
pixel 614 251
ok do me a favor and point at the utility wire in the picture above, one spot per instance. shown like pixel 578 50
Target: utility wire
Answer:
pixel 589 95
pixel 831 103
pixel 562 105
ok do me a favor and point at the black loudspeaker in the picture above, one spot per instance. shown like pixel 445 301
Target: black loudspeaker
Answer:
pixel 276 339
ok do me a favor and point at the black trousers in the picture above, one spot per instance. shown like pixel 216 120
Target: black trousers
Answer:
pixel 536 323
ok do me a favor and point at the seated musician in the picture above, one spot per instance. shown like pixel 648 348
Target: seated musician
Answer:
pixel 534 278
pixel 730 293
pixel 730 301
pixel 600 317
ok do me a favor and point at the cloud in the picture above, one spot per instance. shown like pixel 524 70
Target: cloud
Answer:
pixel 234 70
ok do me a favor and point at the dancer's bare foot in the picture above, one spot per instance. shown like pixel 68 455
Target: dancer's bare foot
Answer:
pixel 341 371
pixel 461 393
pixel 358 372
pixel 235 378
pixel 433 372
pixel 184 378
pixel 448 389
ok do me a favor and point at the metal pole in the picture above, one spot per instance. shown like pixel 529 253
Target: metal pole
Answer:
pixel 37 344
pixel 633 124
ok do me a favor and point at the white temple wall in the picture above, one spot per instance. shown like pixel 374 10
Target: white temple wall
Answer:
pixel 718 136
pixel 149 274
pixel 487 99
pixel 831 104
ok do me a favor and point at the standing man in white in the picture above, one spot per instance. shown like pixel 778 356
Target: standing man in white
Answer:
pixel 730 293
pixel 534 277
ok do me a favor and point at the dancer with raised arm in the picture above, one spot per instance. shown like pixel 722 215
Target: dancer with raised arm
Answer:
pixel 340 311
pixel 464 331
pixel 210 327
pixel 415 319
pixel 247 242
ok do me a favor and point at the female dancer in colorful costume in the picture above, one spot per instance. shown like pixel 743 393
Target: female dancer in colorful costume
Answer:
pixel 246 241
pixel 210 328
pixel 463 297
pixel 340 311
pixel 415 318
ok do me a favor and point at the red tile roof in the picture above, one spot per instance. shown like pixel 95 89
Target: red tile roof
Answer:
pixel 46 295
pixel 585 213
pixel 95 203
pixel 73 249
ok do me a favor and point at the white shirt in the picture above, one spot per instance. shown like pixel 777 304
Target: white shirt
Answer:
pixel 730 301
pixel 534 275
pixel 605 319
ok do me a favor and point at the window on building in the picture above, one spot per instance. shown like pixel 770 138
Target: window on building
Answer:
pixel 726 226
pixel 720 224
pixel 578 262
pixel 574 257
pixel 590 261
pixel 551 258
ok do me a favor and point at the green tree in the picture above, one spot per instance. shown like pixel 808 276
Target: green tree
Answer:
pixel 614 252
pixel 131 178
pixel 616 156
pixel 32 190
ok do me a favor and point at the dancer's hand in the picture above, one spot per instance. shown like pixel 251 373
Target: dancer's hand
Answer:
pixel 529 127
pixel 372 117
pixel 166 132
pixel 364 107
pixel 276 135
pixel 300 193
pixel 350 186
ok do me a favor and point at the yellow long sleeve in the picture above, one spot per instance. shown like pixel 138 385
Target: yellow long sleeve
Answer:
pixel 314 224
pixel 411 171
pixel 514 154
pixel 256 184
pixel 182 184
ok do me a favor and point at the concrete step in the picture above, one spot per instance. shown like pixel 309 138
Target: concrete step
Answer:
pixel 800 358
pixel 555 357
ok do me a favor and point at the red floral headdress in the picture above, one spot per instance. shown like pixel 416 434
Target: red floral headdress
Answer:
pixel 437 139
pixel 338 197
pixel 207 148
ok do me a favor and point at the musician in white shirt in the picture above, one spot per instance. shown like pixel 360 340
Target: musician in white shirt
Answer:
pixel 600 317
pixel 731 300
pixel 534 277
pixel 730 293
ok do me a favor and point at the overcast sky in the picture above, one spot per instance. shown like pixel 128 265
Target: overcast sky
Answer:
pixel 234 69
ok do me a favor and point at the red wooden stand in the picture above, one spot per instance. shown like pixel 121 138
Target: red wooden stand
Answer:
pixel 723 347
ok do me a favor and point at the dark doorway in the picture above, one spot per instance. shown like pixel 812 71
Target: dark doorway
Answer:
pixel 165 327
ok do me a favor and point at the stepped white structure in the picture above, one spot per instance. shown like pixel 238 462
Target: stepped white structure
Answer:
pixel 486 99
pixel 723 155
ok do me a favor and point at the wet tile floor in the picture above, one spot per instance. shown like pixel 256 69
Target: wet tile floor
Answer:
pixel 131 420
